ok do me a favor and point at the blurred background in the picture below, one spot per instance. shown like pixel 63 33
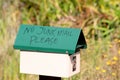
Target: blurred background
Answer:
pixel 99 20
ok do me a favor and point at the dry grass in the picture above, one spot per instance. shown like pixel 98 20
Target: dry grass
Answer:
pixel 99 20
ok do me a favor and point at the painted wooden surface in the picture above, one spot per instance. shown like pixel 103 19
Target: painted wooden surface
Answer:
pixel 49 39
pixel 49 64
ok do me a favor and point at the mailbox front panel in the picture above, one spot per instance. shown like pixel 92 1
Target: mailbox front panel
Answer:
pixel 50 64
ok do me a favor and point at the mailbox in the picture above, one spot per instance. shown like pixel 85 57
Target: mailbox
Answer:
pixel 50 51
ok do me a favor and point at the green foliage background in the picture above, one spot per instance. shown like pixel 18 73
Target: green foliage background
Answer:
pixel 99 19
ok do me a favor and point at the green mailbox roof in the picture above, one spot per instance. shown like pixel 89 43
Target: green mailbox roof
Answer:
pixel 49 39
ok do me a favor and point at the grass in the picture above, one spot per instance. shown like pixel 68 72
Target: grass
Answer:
pixel 100 21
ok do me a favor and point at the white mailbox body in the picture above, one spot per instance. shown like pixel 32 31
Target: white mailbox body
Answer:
pixel 50 64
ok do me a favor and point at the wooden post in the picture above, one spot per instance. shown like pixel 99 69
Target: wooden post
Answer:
pixel 49 78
